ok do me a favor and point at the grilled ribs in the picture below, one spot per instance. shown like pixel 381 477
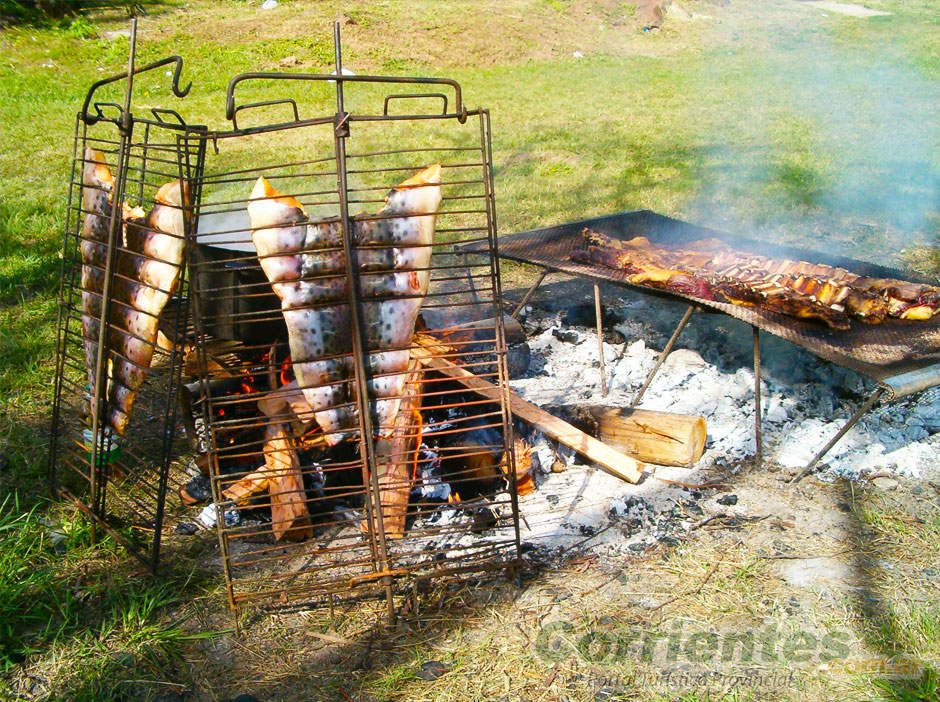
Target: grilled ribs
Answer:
pixel 710 270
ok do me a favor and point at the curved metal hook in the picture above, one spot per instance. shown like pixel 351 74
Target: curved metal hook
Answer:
pixel 90 119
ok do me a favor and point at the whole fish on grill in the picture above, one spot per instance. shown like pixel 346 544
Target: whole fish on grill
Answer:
pixel 709 269
pixel 146 273
pixel 304 262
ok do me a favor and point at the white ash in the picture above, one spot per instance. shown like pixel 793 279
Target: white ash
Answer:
pixel 710 373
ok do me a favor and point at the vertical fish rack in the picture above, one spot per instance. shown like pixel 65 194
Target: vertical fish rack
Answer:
pixel 120 482
pixel 367 516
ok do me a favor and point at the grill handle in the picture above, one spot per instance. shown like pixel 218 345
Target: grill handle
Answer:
pixel 898 386
pixel 90 119
pixel 459 110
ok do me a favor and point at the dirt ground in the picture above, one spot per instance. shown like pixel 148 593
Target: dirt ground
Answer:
pixel 773 590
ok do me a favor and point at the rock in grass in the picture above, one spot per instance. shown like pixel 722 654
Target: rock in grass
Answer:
pixel 727 500
pixel 185 528
pixel 885 483
pixel 432 670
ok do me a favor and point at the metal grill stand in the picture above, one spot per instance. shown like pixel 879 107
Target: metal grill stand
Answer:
pixel 375 525
pixel 123 494
pixel 895 354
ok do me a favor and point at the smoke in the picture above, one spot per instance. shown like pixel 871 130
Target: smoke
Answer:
pixel 831 142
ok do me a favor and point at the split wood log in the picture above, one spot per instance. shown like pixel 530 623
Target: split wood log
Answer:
pixel 429 353
pixel 281 476
pixel 525 480
pixel 663 438
pixel 397 455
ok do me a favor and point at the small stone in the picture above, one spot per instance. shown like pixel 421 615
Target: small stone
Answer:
pixel 727 500
pixel 931 572
pixel 583 314
pixel 614 337
pixel 637 547
pixel 269 4
pixel 917 490
pixel 123 658
pixel 518 358
pixel 844 507
pixel 185 528
pixel 568 336
pixel 288 61
pixel 885 483
pixel 431 670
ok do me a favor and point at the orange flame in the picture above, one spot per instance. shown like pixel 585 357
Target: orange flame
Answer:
pixel 286 371
pixel 414 470
pixel 453 498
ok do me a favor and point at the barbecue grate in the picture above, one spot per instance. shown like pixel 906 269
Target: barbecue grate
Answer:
pixel 119 481
pixel 877 351
pixel 297 520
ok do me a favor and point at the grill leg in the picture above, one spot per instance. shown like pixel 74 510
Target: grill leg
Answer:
pixel 600 338
pixel 869 403
pixel 473 287
pixel 663 355
pixel 530 292
pixel 758 434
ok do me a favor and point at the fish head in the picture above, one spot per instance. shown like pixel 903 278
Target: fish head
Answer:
pixel 269 207
pixel 420 194
pixel 95 171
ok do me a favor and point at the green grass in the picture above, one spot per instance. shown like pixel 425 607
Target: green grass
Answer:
pixel 771 121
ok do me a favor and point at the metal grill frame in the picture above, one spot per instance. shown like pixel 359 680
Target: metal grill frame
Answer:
pixel 144 152
pixel 905 368
pixel 383 568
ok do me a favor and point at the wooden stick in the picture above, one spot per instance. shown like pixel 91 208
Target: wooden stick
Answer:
pixel 397 457
pixel 280 476
pixel 609 460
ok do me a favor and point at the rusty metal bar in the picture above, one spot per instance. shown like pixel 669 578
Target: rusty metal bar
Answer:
pixel 869 403
pixel 663 355
pixel 600 338
pixel 367 446
pixel 758 433
pixel 530 292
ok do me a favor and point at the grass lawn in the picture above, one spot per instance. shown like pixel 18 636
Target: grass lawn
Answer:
pixel 765 117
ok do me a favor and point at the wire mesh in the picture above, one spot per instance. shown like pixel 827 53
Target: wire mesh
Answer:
pixel 308 506
pixel 130 273
pixel 877 351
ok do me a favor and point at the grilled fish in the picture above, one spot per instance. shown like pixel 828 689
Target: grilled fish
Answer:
pixel 147 270
pixel 304 262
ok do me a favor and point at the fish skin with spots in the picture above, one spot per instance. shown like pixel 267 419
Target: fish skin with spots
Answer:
pixel 304 262
pixel 147 261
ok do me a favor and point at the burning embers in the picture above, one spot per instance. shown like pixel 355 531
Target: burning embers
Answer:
pixel 444 458
pixel 709 269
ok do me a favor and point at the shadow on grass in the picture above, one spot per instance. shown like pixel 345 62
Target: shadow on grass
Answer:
pixel 891 633
pixel 45 12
